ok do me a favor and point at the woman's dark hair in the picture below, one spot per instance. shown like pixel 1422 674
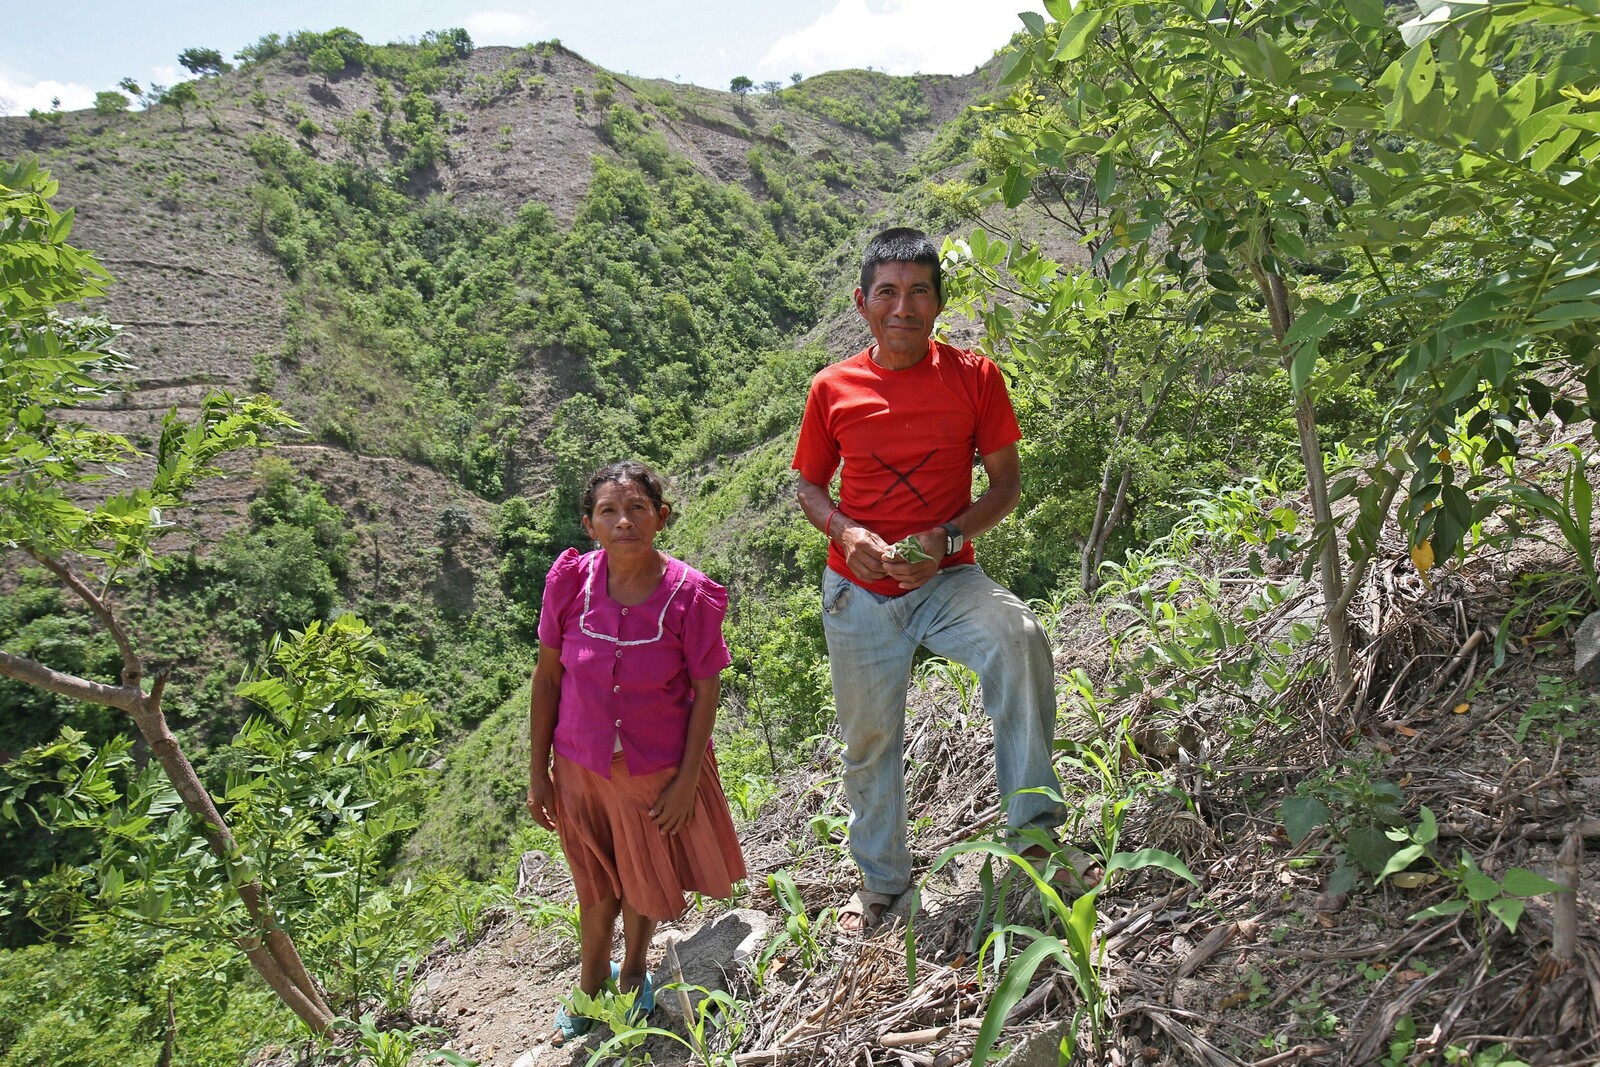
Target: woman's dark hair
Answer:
pixel 625 471
pixel 902 244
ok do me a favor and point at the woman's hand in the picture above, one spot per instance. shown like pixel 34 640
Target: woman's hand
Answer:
pixel 674 808
pixel 542 800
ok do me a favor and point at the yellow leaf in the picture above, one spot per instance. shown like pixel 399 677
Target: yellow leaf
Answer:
pixel 1422 556
pixel 1413 879
pixel 1461 709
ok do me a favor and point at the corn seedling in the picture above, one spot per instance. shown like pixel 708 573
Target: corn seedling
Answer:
pixel 1074 947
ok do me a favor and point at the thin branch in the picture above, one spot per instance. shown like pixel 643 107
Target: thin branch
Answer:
pixel 132 667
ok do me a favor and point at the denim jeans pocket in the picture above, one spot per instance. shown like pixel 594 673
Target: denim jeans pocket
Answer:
pixel 836 599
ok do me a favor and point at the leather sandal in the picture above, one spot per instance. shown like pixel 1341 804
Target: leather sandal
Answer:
pixel 868 908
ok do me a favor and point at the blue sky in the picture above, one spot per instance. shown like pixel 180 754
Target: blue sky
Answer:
pixel 72 48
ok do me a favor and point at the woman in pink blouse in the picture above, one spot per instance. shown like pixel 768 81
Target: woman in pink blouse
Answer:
pixel 625 695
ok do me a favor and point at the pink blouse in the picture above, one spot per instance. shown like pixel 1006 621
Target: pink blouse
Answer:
pixel 626 670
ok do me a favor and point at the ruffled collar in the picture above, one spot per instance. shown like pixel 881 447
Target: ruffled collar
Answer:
pixel 672 580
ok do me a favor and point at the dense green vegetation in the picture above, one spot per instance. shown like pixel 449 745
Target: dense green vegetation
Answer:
pixel 1374 298
pixel 878 105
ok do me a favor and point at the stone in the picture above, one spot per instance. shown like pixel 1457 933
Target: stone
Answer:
pixel 1587 655
pixel 1040 1049
pixel 708 957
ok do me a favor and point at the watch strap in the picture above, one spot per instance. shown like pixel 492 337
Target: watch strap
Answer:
pixel 954 540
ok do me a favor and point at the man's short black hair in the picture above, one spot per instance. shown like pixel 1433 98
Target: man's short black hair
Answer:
pixel 902 244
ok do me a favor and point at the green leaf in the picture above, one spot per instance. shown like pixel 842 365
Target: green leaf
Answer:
pixel 1077 33
pixel 1018 62
pixel 1150 857
pixel 1521 882
pixel 1369 847
pixel 1508 910
pixel 1301 815
pixel 1368 13
pixel 1034 21
pixel 1454 906
pixel 1011 989
pixel 1015 187
pixel 1402 859
pixel 1105 178
pixel 1427 831
pixel 1480 886
pixel 1343 879
pixel 1300 368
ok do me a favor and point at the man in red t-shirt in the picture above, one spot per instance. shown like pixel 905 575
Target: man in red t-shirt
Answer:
pixel 906 417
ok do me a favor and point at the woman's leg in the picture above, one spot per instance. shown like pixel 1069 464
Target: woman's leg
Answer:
pixel 637 932
pixel 595 925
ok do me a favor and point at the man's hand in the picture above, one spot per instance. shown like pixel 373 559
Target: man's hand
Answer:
pixel 913 575
pixel 864 553
pixel 542 799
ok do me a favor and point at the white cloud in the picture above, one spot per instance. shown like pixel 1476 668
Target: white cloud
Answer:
pixel 505 27
pixel 18 97
pixel 897 36
pixel 169 75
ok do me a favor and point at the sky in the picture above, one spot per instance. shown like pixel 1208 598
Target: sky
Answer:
pixel 70 49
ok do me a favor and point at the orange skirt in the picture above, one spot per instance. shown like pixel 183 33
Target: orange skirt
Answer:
pixel 616 851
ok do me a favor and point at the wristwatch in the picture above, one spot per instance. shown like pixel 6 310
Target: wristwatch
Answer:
pixel 954 539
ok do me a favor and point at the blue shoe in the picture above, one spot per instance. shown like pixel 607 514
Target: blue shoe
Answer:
pixel 571 1026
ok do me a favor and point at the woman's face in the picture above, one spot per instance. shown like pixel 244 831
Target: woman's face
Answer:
pixel 624 519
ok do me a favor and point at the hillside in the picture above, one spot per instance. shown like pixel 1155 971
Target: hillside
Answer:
pixel 1308 406
pixel 173 204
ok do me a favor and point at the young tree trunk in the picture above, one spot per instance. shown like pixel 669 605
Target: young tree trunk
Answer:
pixel 279 947
pixel 273 955
pixel 1329 568
pixel 1107 514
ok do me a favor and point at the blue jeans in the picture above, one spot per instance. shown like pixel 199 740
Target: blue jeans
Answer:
pixel 962 615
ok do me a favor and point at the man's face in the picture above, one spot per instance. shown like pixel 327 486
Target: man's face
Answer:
pixel 900 307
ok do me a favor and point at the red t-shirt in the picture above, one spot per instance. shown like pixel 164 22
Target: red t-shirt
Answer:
pixel 907 439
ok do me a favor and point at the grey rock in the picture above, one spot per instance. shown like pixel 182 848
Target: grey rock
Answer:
pixel 709 956
pixel 1041 1049
pixel 1588 650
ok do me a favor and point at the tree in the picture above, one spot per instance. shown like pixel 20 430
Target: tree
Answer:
pixel 131 87
pixel 326 61
pixel 796 78
pixel 48 366
pixel 181 96
pixel 1246 158
pixel 770 87
pixel 203 61
pixel 741 85
pixel 109 103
